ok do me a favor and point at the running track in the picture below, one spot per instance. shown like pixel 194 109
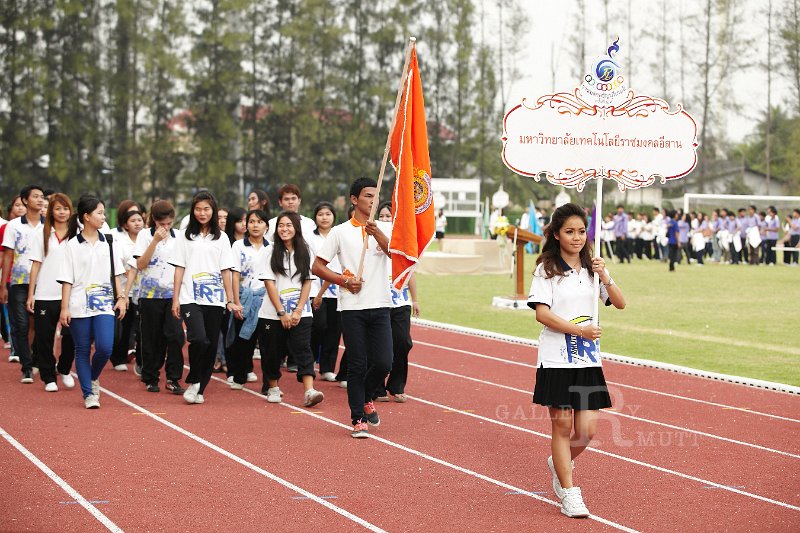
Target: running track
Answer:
pixel 466 453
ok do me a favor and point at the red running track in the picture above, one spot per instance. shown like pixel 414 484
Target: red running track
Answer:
pixel 467 452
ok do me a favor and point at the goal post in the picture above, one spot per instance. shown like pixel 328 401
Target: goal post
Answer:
pixel 736 201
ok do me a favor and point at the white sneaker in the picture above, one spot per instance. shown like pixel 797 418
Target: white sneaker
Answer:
pixel 274 395
pixel 35 370
pixel 190 395
pixel 312 397
pixel 121 367
pixel 91 402
pixel 96 388
pixel 328 376
pixel 556 483
pixel 256 354
pixel 230 379
pixel 572 503
pixel 51 387
pixel 67 380
pixel 236 386
pixel 200 399
pixel 13 359
pixel 343 384
pixel 251 377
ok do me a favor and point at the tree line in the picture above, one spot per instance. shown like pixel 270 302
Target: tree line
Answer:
pixel 154 98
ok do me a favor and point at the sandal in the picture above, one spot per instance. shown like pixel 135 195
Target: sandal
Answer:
pixel 218 368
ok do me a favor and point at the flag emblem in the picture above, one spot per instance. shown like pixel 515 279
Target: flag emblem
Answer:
pixel 422 191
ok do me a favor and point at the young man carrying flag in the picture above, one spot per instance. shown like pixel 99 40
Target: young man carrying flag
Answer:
pixel 364 244
pixel 363 300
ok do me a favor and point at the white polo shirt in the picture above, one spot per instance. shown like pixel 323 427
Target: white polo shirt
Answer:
pixel 122 241
pixel 17 238
pixel 204 259
pixel 157 279
pixel 289 287
pixel 47 287
pixel 569 297
pixel 345 242
pixel 87 267
pixel 250 262
pixel 307 226
pixel 316 241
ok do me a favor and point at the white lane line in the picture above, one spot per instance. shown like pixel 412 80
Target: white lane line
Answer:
pixel 623 385
pixel 616 358
pixel 614 413
pixel 94 511
pixel 247 464
pixel 434 459
pixel 614 455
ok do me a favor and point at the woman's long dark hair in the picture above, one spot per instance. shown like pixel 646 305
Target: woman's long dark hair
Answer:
pixel 86 205
pixel 50 218
pixel 551 251
pixel 263 200
pixel 302 257
pixel 320 206
pixel 235 214
pixel 194 226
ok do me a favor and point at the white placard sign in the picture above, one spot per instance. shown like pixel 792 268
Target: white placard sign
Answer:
pixel 600 130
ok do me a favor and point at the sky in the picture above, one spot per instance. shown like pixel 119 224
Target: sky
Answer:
pixel 551 23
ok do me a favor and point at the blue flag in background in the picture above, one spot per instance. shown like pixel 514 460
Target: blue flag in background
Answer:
pixel 533 226
pixel 590 229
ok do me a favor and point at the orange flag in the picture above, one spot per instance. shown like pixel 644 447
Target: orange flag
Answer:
pixel 412 199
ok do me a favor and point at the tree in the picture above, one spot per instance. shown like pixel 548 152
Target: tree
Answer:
pixel 790 39
pixel 724 52
pixel 216 86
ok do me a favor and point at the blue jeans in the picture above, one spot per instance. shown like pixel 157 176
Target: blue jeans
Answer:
pixel 99 328
pixel 368 338
pixel 20 322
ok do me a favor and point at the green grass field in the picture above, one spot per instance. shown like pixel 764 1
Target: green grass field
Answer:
pixel 738 320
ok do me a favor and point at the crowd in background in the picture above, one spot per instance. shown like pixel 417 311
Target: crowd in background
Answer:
pixel 743 236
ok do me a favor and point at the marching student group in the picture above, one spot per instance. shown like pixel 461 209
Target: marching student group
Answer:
pixel 239 285
pixel 225 281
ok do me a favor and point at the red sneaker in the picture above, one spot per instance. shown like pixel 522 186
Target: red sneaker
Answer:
pixel 372 414
pixel 360 430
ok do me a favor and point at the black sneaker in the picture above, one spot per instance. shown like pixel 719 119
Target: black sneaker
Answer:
pixel 27 376
pixel 371 414
pixel 175 388
pixel 291 368
pixel 153 387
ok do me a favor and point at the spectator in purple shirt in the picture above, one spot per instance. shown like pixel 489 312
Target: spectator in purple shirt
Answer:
pixel 791 258
pixel 621 234
pixel 673 239
pixel 771 226
pixel 739 229
pixel 684 225
pixel 750 221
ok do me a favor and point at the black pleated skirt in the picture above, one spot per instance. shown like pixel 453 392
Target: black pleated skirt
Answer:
pixel 581 389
